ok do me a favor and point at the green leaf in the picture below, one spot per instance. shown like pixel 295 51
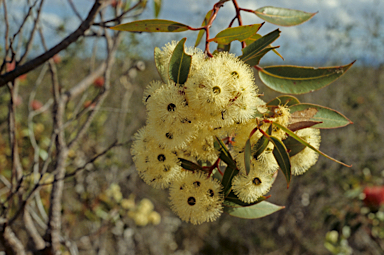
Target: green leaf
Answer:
pixel 301 125
pixel 298 79
pixel 293 146
pixel 240 33
pixel 252 53
pixel 152 25
pixel 247 156
pixel 283 16
pixel 201 32
pixel 230 172
pixel 157 57
pixel 261 144
pixel 224 153
pixel 157 7
pixel 289 132
pixel 188 165
pixel 282 158
pixel 329 118
pixel 233 201
pixel 180 64
pixel 258 210
pixel 283 100
pixel 256 37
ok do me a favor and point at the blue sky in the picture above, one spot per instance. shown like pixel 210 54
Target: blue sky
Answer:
pixel 322 40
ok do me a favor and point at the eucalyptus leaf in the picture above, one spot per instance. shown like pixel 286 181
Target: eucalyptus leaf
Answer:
pixel 256 211
pixel 256 37
pixel 157 7
pixel 240 33
pixel 282 157
pixel 292 134
pixel 188 165
pixel 233 201
pixel 329 118
pixel 180 64
pixel 251 53
pixel 283 16
pixel 247 156
pixel 224 153
pixel 152 25
pixel 298 79
pixel 201 32
pixel 230 172
pixel 293 146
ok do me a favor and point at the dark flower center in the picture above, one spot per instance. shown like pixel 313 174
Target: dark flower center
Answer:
pixel 191 201
pixel 161 158
pixel 256 181
pixel 171 107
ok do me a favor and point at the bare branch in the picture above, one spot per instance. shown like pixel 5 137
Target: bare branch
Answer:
pixel 38 241
pixel 75 10
pixel 11 243
pixel 36 62
pixel 32 35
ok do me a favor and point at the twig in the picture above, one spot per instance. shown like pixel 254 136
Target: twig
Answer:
pixel 11 243
pixel 39 60
pixel 32 35
pixel 75 10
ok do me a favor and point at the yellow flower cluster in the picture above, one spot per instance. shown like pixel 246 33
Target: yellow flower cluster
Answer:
pixel 219 99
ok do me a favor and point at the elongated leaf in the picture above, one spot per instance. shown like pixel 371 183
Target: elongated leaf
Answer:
pixel 233 201
pixel 224 153
pixel 282 157
pixel 152 25
pixel 256 211
pixel 180 64
pixel 247 156
pixel 158 64
pixel 230 172
pixel 289 132
pixel 251 53
pixel 329 118
pixel 284 100
pixel 188 165
pixel 236 33
pixel 298 79
pixel 283 16
pixel 257 57
pixel 157 7
pixel 293 146
pixel 256 37
pixel 201 32
pixel 261 144
pixel 301 125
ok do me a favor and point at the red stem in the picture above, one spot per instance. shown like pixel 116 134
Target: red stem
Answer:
pixel 238 16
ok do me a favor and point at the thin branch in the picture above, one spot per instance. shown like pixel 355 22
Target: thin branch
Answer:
pixel 39 60
pixel 37 240
pixel 118 18
pixel 12 244
pixel 32 35
pixel 75 10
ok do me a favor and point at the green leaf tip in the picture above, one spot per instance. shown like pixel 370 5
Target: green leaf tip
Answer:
pixel 299 79
pixel 179 64
pixel 152 25
pixel 283 16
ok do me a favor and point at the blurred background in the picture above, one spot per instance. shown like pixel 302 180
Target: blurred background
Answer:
pixel 108 209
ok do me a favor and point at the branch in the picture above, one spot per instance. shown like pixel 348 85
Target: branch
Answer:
pixel 36 62
pixel 10 241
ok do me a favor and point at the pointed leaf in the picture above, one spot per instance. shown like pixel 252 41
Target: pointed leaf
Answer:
pixel 180 64
pixel 188 165
pixel 230 172
pixel 284 100
pixel 256 37
pixel 282 157
pixel 158 64
pixel 298 79
pixel 329 118
pixel 152 25
pixel 223 47
pixel 256 211
pixel 283 16
pixel 247 156
pixel 293 146
pixel 236 33
pixel 261 144
pixel 301 125
pixel 157 7
pixel 251 53
pixel 233 201
pixel 224 153
pixel 289 132
pixel 201 32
